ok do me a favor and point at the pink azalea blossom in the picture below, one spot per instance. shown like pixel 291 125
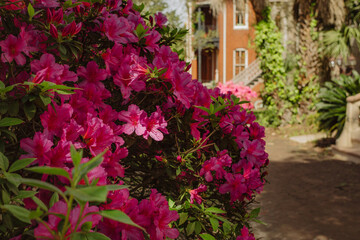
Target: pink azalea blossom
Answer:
pixel 155 126
pixel 52 70
pixel 92 73
pixel 160 19
pixel 118 29
pixel 55 119
pixel 235 185
pixel 194 194
pixel 12 48
pixel 60 208
pixel 151 39
pixel 133 118
pixel 245 235
pixel 253 151
pixel 38 147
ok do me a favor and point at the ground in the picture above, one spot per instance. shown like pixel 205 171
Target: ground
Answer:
pixel 310 195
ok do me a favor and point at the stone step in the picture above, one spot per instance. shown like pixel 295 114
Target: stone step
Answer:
pixel 347 154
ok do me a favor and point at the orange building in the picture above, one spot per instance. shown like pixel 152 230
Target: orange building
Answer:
pixel 227 54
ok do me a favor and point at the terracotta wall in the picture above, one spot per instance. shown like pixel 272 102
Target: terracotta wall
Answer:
pixel 235 38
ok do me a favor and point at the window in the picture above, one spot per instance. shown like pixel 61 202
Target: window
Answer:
pixel 240 60
pixel 241 14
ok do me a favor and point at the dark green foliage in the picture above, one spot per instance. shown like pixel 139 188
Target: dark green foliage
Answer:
pixel 332 105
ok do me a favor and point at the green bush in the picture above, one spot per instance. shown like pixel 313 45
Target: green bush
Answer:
pixel 332 105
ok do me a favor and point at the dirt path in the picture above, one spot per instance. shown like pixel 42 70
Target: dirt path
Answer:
pixel 310 196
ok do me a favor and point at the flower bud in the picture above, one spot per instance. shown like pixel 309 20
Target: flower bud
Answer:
pixel 53 31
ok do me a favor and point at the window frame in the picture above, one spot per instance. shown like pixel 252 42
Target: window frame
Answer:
pixel 246 25
pixel 245 65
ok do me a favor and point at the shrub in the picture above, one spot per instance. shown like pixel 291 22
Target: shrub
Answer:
pixel 244 93
pixel 127 145
pixel 332 103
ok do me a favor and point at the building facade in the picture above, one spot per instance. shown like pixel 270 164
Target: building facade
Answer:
pixel 220 45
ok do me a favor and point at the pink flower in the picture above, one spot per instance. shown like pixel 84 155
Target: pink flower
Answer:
pixel 52 70
pixel 38 147
pixel 194 194
pixel 60 208
pixel 216 164
pixel 92 73
pixel 253 151
pixel 16 5
pixel 160 19
pixel 118 29
pixel 133 118
pixel 12 48
pixel 151 39
pixel 71 29
pixel 155 125
pixel 56 118
pixel 245 235
pixel 235 185
pixel 98 135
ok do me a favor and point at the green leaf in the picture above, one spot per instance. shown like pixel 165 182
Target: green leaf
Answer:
pixel 13 178
pixel 140 31
pixel 43 185
pixel 88 166
pixel 40 203
pixel 214 224
pixel 54 199
pixel 214 210
pixel 20 164
pixel 115 187
pixel 119 216
pixel 76 156
pixel 183 217
pixel 206 236
pixel 3 107
pixel 2 85
pixel 19 212
pixel 255 213
pixel 36 214
pixel 88 236
pixel 5 197
pixel 203 108
pixel 50 171
pixel 31 11
pixel 4 162
pixel 190 228
pixel 46 100
pixel 89 194
pixel 29 110
pixel 25 194
pixel 197 227
pixel 6 122
pixel 226 227
pixel 13 109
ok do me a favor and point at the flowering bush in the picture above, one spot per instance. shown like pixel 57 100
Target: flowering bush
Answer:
pixel 127 145
pixel 245 93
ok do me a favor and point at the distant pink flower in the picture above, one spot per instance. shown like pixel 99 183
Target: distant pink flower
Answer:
pixel 12 48
pixel 55 118
pixel 133 118
pixel 235 185
pixel 60 208
pixel 253 150
pixel 111 162
pixel 151 39
pixel 71 29
pixel 47 3
pixel 216 164
pixel 245 235
pixel 160 19
pixel 92 73
pixel 52 70
pixel 194 194
pixel 118 29
pixel 38 147
pixel 155 125
pixel 158 207
pixel 16 5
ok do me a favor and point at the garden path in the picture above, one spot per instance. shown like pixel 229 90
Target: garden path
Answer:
pixel 310 195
